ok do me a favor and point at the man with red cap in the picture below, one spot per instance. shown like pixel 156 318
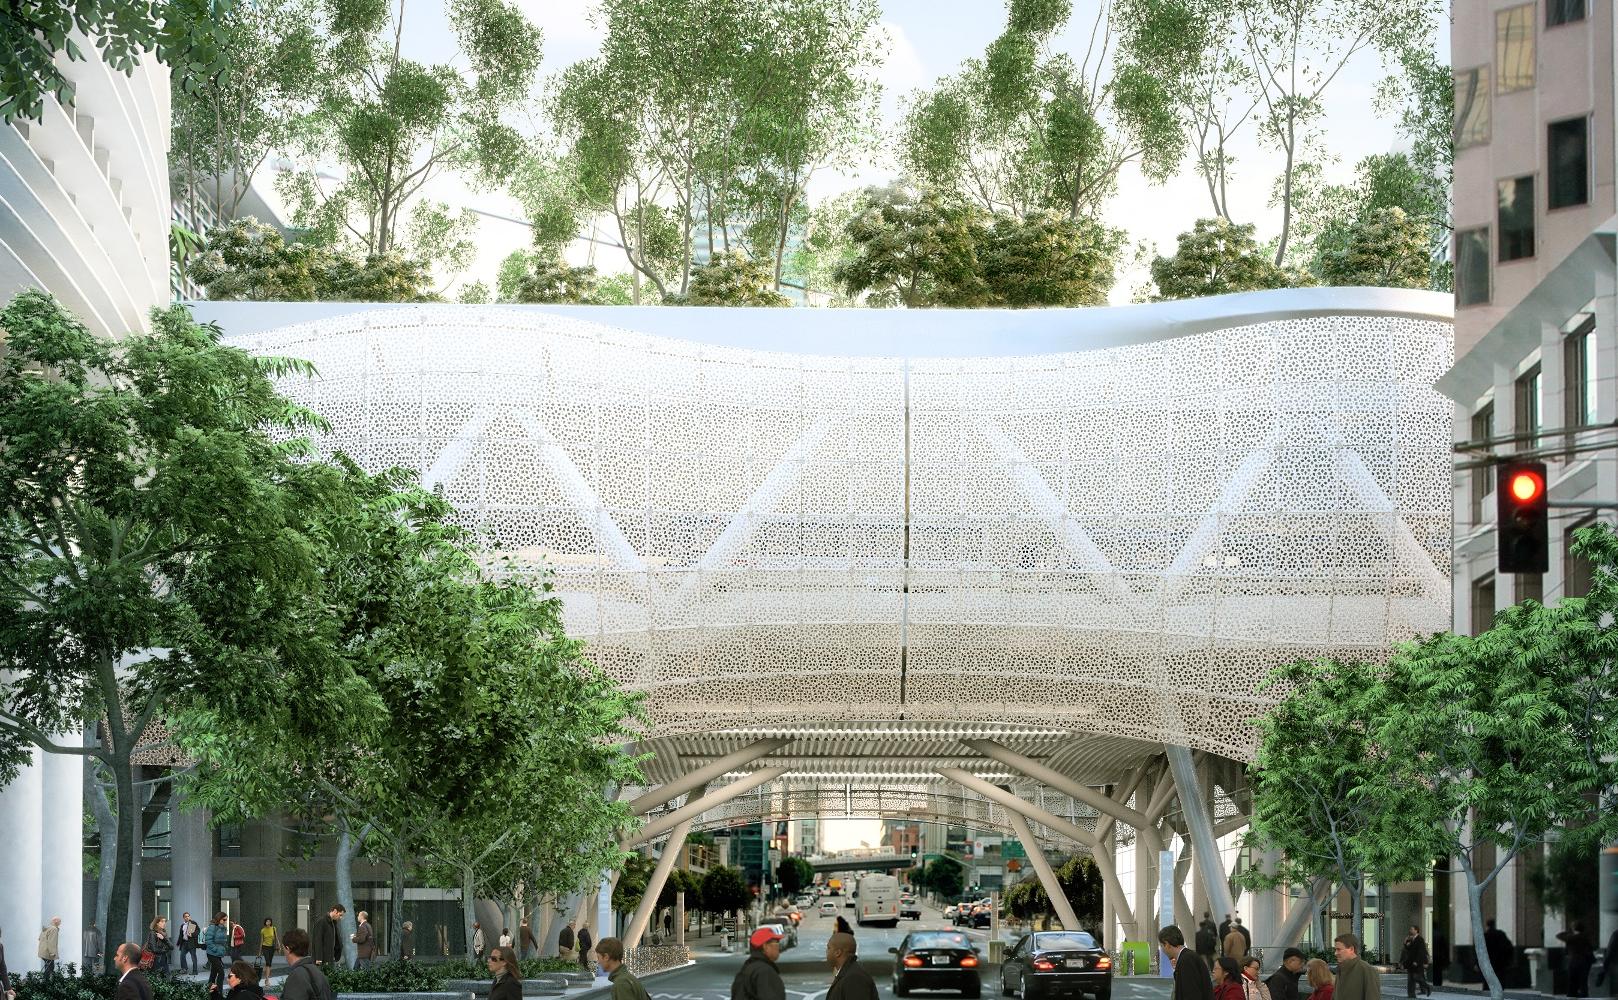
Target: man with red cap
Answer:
pixel 759 979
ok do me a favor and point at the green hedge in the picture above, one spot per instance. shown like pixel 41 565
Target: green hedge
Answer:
pixel 70 984
pixel 388 977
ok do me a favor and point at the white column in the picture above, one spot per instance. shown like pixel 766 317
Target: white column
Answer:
pixel 191 864
pixel 603 927
pixel 1264 910
pixel 21 807
pixel 62 849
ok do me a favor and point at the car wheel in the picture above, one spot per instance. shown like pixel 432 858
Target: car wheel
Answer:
pixel 1005 987
pixel 899 988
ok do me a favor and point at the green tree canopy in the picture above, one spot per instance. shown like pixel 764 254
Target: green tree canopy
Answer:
pixel 153 550
pixel 247 260
pixel 793 874
pixel 724 891
pixel 1384 248
pixel 732 279
pixel 1217 257
pixel 1081 883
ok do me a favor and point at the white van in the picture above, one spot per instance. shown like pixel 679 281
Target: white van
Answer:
pixel 878 898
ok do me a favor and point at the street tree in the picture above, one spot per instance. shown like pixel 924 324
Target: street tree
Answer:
pixel 945 878
pixel 1215 258
pixel 724 891
pixel 794 873
pixel 1081 884
pixel 1026 129
pixel 152 544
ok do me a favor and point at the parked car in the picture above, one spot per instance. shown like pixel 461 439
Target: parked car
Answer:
pixel 828 909
pixel 909 909
pixel 936 960
pixel 1056 964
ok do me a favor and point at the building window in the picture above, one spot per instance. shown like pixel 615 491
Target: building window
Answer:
pixel 1516 218
pixel 1482 604
pixel 1563 12
pixel 1531 587
pixel 1471 107
pixel 1577 572
pixel 1526 414
pixel 1482 478
pixel 1579 374
pixel 1472 267
pixel 1567 160
pixel 1514 48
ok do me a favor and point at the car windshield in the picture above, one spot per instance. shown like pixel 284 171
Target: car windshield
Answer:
pixel 1062 942
pixel 939 941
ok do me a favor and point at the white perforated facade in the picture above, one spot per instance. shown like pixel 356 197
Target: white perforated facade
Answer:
pixel 1115 540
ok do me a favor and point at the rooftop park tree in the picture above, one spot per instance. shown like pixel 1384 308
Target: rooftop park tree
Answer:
pixel 153 549
pixel 1385 248
pixel 1215 258
pixel 247 260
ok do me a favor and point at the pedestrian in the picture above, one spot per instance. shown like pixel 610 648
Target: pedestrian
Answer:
pixel 759 979
pixel 1322 984
pixel 325 938
pixel 1207 939
pixel 1497 945
pixel 132 984
pixel 1283 982
pixel 507 974
pixel 407 942
pixel 1228 979
pixel 584 947
pixel 506 940
pixel 1247 936
pixel 158 943
pixel 1234 945
pixel 189 937
pixel 1581 957
pixel 1191 978
pixel 1356 980
pixel 216 941
pixel 1252 988
pixel 1415 959
pixel 477 940
pixel 530 944
pixel 564 943
pixel 364 938
pixel 850 981
pixel 610 953
pixel 50 945
pixel 842 927
pixel 1608 973
pixel 267 943
pixel 305 979
pixel 1224 927
pixel 92 947
pixel 243 980
pixel 238 941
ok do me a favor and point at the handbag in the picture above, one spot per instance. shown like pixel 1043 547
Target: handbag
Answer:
pixel 147 959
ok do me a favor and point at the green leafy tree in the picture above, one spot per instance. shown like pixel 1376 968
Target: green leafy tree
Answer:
pixel 1384 248
pixel 1217 257
pixel 794 874
pixel 247 260
pixel 1081 884
pixel 724 891
pixel 1048 259
pixel 554 281
pixel 912 250
pixel 1329 222
pixel 1026 129
pixel 35 33
pixel 394 123
pixel 945 878
pixel 151 502
pixel 733 279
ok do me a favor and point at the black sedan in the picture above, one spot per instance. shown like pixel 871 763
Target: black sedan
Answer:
pixel 936 960
pixel 1056 964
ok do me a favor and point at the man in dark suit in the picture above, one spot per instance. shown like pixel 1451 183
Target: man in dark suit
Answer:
pixel 325 938
pixel 132 984
pixel 851 982
pixel 1192 980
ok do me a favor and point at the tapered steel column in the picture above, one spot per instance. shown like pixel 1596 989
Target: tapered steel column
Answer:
pixel 1047 875
pixel 705 774
pixel 691 810
pixel 1200 824
pixel 660 878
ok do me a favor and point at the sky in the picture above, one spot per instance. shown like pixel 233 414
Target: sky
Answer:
pixel 927 39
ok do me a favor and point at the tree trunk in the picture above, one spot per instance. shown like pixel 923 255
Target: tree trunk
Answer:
pixel 107 830
pixel 128 842
pixel 1286 191
pixel 396 921
pixel 1356 922
pixel 348 845
pixel 1474 898
pixel 469 908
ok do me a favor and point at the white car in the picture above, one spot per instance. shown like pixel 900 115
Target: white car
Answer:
pixel 828 909
pixel 949 911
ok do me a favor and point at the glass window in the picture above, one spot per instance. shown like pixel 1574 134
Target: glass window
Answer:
pixel 1567 161
pixel 1516 218
pixel 1472 267
pixel 1483 478
pixel 940 939
pixel 1482 604
pixel 1514 48
pixel 1577 573
pixel 1563 12
pixel 1526 416
pixel 1471 107
pixel 1579 374
pixel 1070 939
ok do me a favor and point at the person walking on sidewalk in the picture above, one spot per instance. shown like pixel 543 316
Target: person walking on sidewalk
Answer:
pixel 268 942
pixel 216 941
pixel 1283 982
pixel 189 937
pixel 1356 980
pixel 759 979
pixel 564 943
pixel 49 945
pixel 850 981
pixel 1322 984
pixel 364 938
pixel 507 974
pixel 1192 981
pixel 1581 957
pixel 92 948
pixel 158 943
pixel 305 980
pixel 610 953
pixel 1415 959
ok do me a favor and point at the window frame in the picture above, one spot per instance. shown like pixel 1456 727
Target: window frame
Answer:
pixel 1579 370
pixel 1569 561
pixel 1501 15
pixel 1550 170
pixel 1482 483
pixel 1484 90
pixel 1488 265
pixel 1528 389
pixel 1500 221
pixel 1481 584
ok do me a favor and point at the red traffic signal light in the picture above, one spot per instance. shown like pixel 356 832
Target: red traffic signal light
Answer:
pixel 1522 530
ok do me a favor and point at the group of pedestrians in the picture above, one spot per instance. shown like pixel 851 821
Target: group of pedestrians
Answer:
pixel 760 979
pixel 305 980
pixel 574 945
pixel 1236 977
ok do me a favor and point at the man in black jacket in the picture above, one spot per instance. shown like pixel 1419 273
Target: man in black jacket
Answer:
pixel 305 980
pixel 759 979
pixel 132 984
pixel 326 936
pixel 851 981
pixel 1283 982
pixel 1192 980
pixel 1415 960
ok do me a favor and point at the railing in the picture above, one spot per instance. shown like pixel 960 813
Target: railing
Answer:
pixel 647 959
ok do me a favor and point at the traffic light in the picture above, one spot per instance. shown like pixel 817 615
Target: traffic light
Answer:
pixel 1522 533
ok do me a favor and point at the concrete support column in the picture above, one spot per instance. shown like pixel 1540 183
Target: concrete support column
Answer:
pixel 62 848
pixel 1264 911
pixel 660 878
pixel 1047 875
pixel 21 862
pixel 1145 878
pixel 603 922
pixel 191 863
pixel 1194 807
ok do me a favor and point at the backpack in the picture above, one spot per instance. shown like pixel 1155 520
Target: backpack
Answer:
pixel 238 937
pixel 319 985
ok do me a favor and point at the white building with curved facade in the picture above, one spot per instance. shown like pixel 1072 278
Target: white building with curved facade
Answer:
pixel 898 563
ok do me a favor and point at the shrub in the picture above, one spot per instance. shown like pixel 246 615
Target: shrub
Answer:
pixel 71 984
pixel 390 977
